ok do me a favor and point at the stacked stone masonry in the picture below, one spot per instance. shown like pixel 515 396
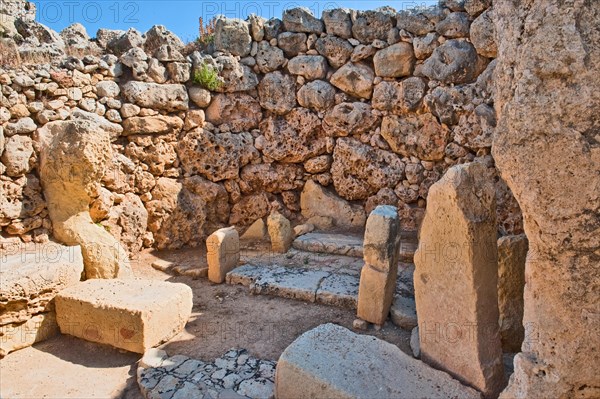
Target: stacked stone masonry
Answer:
pixel 370 107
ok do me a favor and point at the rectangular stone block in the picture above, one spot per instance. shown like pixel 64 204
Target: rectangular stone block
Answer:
pixel 31 278
pixel 382 238
pixel 375 294
pixel 280 231
pixel 222 253
pixel 16 336
pixel 129 314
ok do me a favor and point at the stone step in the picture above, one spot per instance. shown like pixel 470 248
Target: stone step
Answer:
pixel 134 315
pixel 333 362
pixel 349 245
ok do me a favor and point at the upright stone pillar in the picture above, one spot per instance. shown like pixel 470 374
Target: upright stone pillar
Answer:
pixel 378 275
pixel 222 253
pixel 456 279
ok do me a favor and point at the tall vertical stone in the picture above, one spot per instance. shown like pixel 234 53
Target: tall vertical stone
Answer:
pixel 456 279
pixel 512 253
pixel 378 275
pixel 547 148
pixel 280 231
pixel 222 253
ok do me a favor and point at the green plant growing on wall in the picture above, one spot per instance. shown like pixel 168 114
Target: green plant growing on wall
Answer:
pixel 207 77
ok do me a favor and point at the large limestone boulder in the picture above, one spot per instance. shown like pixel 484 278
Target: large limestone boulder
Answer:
pixel 335 49
pixel 371 25
pixel 399 97
pixel 222 253
pixel 277 93
pixel 318 201
pixel 74 157
pixel 300 19
pixel 134 315
pixel 316 95
pixel 456 279
pixel 421 136
pixel 347 119
pixel 21 199
pixel 167 97
pixel 331 361
pixel 17 155
pixel 395 61
pixel 240 112
pixel 455 61
pixel 233 36
pixel 159 36
pixel 547 148
pixel 354 79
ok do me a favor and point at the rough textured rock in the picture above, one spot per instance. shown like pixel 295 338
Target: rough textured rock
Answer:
pixel 359 170
pixel 216 156
pixel 545 102
pixel 455 61
pixel 273 178
pixel 512 254
pixel 280 231
pixel 338 22
pixel 399 97
pixel 36 329
pixel 276 93
pixel 322 363
pixel 134 314
pixel 335 49
pixel 159 124
pixel 378 275
pixel 348 119
pixel 316 200
pixel 404 313
pixel 240 112
pixel 310 67
pixel 167 97
pixel 482 35
pixel 371 25
pixel 294 137
pixel 249 209
pixel 419 135
pixel 269 58
pixel 222 253
pixel 300 19
pixel 233 36
pixel 415 21
pixel 292 43
pixel 456 279
pixel 316 95
pixel 354 79
pixel 74 157
pixel 159 36
pixel 18 151
pixel 455 25
pixel 395 61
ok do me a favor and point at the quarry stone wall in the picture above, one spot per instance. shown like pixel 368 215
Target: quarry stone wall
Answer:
pixel 373 106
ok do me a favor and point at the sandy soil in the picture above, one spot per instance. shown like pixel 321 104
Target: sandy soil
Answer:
pixel 223 317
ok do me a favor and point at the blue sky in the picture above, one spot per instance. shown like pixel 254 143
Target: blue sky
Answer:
pixel 180 16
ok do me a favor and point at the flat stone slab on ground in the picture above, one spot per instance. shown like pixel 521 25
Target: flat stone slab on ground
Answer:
pixel 129 314
pixel 339 290
pixel 332 362
pixel 340 244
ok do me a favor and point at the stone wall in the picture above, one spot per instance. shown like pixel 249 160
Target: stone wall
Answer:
pixel 373 105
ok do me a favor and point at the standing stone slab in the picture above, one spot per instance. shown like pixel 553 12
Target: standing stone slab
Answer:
pixel 222 253
pixel 456 279
pixel 332 362
pixel 134 315
pixel 378 276
pixel 280 231
pixel 512 254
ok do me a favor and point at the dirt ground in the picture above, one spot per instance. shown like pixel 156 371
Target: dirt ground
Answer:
pixel 223 317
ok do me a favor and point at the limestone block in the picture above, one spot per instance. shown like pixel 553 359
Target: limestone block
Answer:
pixel 280 231
pixel 316 200
pixel 256 232
pixel 382 238
pixel 375 294
pixel 332 362
pixel 134 315
pixel 17 336
pixel 222 253
pixel 456 279
pixel 404 312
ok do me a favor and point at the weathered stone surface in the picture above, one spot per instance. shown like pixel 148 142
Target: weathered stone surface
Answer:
pixel 300 19
pixel 424 45
pixel 546 121
pixel 36 329
pixel 399 97
pixel 395 61
pixel 359 170
pixel 22 126
pixel 348 245
pixel 371 25
pixel 310 66
pixel 455 25
pixel 280 231
pixel 316 200
pixel 456 279
pixel 256 232
pixel 240 112
pixel 272 178
pixel 415 345
pixel 338 22
pixel 134 314
pixel 294 137
pixel 159 124
pixel 128 40
pixel 216 156
pixel 201 97
pixel 159 36
pixel 482 35
pixel 475 7
pixel 276 92
pixel 292 43
pixel 222 253
pixel 18 151
pixel 233 36
pixel 316 95
pixel 179 72
pixel 114 129
pixel 234 76
pixel 404 312
pixel 455 61
pixel 249 209
pixel 29 281
pixel 128 222
pixel 346 119
pixel 414 21
pixel 107 88
pixel 354 79
pixel 269 58
pixel 167 97
pixel 335 49
pixel 21 199
pixel 419 135
pixel 74 157
pixel 512 254
pixel 321 363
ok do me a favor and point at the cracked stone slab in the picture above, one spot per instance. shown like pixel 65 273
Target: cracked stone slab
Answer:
pixel 339 290
pixel 339 244
pixel 234 375
pixel 289 282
